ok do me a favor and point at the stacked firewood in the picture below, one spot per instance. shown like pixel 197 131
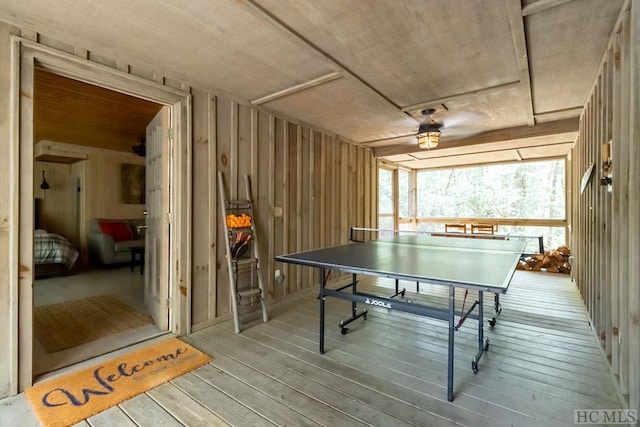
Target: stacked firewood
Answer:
pixel 552 261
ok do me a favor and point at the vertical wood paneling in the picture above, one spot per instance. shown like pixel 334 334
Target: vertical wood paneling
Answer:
pixel 224 114
pixel 606 226
pixel 233 176
pixel 344 193
pixel 270 178
pixel 335 190
pixel 280 191
pixel 352 183
pixel 258 206
pixel 299 204
pixel 366 173
pixel 624 204
pixel 322 176
pixel 309 199
pixel 213 212
pixel 318 178
pixel 262 181
pixel 599 224
pixel 286 214
pixel 616 232
pixel 201 255
pixel 359 188
pixel 244 154
pixel 292 209
pixel 606 208
pixel 634 211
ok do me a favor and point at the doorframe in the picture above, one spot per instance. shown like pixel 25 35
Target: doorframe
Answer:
pixel 25 55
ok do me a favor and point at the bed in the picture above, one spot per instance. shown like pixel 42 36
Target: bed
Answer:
pixel 53 254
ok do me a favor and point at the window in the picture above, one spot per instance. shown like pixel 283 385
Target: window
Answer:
pixel 517 190
pixel 524 198
pixel 403 193
pixel 386 212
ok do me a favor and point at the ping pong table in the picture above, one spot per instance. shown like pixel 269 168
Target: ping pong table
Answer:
pixel 484 265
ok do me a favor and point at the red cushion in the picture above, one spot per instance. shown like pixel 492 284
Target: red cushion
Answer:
pixel 118 230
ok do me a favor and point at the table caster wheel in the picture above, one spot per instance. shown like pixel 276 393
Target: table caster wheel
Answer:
pixel 492 322
pixel 474 365
pixel 364 316
pixel 402 292
pixel 343 331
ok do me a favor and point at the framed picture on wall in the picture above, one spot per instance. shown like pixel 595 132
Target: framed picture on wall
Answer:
pixel 132 188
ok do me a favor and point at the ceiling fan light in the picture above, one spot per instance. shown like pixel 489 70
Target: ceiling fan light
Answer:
pixel 429 139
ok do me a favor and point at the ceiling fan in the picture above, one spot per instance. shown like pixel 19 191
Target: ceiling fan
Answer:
pixel 432 126
pixel 429 130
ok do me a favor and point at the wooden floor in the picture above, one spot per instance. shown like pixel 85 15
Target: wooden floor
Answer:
pixel 389 370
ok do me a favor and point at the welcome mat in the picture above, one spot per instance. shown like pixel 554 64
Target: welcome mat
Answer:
pixel 69 399
pixel 71 323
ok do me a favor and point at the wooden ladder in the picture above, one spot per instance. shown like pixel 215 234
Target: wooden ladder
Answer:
pixel 242 254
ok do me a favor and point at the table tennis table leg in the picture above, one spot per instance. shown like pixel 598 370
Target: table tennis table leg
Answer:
pixel 323 282
pixel 354 306
pixel 497 310
pixel 480 321
pixel 452 328
pixel 483 343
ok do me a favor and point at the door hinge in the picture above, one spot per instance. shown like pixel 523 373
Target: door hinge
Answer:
pixel 168 303
pixel 169 218
pixel 170 134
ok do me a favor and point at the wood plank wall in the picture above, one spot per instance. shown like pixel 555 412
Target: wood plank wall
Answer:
pixel 309 187
pixel 100 192
pixel 606 224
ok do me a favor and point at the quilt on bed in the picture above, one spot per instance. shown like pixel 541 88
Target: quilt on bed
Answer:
pixel 50 248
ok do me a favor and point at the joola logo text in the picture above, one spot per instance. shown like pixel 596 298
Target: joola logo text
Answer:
pixel 378 303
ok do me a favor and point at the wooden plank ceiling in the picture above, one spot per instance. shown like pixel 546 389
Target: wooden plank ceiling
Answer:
pixel 366 70
pixel 67 110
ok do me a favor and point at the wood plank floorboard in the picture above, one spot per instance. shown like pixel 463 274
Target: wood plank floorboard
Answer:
pixel 388 370
pixel 420 359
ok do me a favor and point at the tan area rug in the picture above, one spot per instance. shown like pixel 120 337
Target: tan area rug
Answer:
pixel 71 323
pixel 69 399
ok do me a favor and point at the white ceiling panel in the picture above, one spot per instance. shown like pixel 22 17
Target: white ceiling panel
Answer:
pixel 347 108
pixel 566 45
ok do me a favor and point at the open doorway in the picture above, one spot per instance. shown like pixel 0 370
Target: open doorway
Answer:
pixel 28 56
pixel 91 237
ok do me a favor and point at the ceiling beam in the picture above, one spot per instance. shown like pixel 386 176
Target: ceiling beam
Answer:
pixel 567 129
pixel 298 88
pixel 421 105
pixel 496 147
pixel 469 159
pixel 541 5
pixel 570 110
pixel 514 9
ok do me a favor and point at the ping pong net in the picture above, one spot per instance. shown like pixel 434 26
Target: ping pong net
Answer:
pixel 494 242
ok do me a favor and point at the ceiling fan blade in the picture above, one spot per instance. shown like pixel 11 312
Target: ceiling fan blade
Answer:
pixel 464 118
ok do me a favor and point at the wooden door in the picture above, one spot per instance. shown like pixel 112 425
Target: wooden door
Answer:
pixel 156 267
